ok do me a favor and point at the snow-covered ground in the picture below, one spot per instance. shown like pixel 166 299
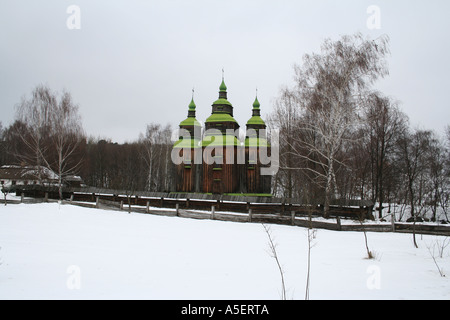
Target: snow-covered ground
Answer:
pixel 51 251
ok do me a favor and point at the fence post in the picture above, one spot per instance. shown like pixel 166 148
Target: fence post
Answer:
pixel 249 215
pixel 121 205
pixel 213 212
pixel 22 195
pixel 46 197
pixel 293 217
pixel 148 207
pixel 177 207
pixel 338 222
pixel 96 202
pixel 393 222
pixel 71 197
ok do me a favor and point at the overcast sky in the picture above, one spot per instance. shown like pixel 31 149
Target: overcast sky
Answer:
pixel 134 62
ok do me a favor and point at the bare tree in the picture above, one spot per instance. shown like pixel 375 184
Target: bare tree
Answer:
pixel 273 253
pixel 150 153
pixel 155 152
pixel 166 149
pixel 438 180
pixel 2 145
pixel 284 118
pixel 383 124
pixel 445 195
pixel 67 136
pixel 370 255
pixel 35 114
pixel 436 249
pixel 311 236
pixel 329 90
pixel 52 132
pixel 129 171
pixel 413 149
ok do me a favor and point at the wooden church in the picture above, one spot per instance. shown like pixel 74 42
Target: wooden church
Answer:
pixel 214 159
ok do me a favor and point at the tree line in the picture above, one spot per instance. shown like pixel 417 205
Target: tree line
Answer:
pixel 342 139
pixel 47 133
pixel 339 139
pixel 143 165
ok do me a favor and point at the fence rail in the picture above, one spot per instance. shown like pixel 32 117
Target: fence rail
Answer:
pixel 235 208
pixel 235 203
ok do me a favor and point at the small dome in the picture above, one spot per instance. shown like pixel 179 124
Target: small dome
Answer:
pixel 223 87
pixel 256 116
pixel 192 105
pixel 256 104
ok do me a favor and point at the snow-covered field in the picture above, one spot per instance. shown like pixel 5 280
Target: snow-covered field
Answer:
pixel 51 251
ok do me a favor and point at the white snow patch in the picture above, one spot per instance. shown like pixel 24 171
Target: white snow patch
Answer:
pixel 141 256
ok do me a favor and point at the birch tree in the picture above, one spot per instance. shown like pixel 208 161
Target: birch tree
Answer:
pixel 66 138
pixel 51 130
pixel 35 115
pixel 155 151
pixel 329 90
pixel 150 154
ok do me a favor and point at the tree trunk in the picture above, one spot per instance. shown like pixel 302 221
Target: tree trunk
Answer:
pixel 326 210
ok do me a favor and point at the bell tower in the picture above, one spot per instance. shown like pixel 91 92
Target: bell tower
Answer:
pixel 256 148
pixel 220 144
pixel 188 173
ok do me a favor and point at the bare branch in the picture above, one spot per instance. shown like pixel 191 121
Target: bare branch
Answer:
pixel 274 255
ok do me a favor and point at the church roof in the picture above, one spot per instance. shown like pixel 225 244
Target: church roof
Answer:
pixel 222 113
pixel 190 121
pixel 221 117
pixel 256 118
pixel 222 101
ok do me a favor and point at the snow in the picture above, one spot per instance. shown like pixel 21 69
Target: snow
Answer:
pixel 53 251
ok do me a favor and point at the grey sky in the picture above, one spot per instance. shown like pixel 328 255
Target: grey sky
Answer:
pixel 135 62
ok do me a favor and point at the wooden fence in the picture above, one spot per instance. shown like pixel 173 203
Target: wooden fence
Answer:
pixel 235 203
pixel 232 208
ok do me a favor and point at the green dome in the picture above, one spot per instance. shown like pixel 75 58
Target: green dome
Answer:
pixel 256 104
pixel 192 104
pixel 223 87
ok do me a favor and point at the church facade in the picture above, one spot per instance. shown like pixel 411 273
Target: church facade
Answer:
pixel 213 159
